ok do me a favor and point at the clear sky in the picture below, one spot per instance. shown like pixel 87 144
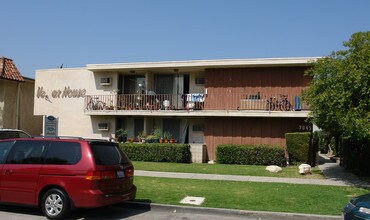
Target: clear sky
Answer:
pixel 44 34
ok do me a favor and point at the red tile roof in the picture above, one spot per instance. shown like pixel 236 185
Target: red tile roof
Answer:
pixel 8 70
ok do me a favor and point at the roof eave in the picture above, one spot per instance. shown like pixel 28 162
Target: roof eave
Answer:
pixel 204 64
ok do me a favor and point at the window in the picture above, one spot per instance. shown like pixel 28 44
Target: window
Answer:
pixel 4 150
pixel 27 152
pixel 13 134
pixel 105 81
pixel 63 153
pixel 172 125
pixel 134 84
pixel 107 154
pixel 138 126
pixel 164 84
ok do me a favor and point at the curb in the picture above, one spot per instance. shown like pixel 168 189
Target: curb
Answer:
pixel 230 212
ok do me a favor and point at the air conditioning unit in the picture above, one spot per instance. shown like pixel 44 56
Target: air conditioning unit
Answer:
pixel 103 126
pixel 105 81
pixel 200 81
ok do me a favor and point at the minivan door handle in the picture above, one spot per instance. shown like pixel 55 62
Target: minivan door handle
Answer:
pixel 8 172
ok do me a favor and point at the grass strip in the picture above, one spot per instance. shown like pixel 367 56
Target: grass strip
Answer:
pixel 275 197
pixel 225 169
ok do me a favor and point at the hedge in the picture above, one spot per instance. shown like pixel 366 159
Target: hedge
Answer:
pixel 176 153
pixel 298 146
pixel 356 156
pixel 250 154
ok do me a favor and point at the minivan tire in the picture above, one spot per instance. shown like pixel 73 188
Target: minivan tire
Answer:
pixel 55 204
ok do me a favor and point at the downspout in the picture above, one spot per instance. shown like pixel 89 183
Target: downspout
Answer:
pixel 17 105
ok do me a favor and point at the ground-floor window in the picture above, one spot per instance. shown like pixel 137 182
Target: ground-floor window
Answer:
pixel 172 125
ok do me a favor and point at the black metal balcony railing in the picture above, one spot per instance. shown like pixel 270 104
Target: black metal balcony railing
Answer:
pixel 195 101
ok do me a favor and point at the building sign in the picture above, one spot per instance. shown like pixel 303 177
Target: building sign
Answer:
pixel 50 127
pixel 67 92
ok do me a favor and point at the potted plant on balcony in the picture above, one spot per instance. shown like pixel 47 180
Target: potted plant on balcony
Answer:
pixel 121 135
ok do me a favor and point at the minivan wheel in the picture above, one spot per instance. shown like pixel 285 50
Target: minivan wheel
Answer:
pixel 55 204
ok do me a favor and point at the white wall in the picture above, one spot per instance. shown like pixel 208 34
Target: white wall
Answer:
pixel 193 88
pixel 196 136
pixel 52 98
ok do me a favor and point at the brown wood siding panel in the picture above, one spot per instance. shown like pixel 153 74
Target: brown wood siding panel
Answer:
pixel 267 80
pixel 208 136
pixel 237 131
pixel 248 131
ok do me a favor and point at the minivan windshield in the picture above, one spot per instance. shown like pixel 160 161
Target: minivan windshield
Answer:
pixel 108 154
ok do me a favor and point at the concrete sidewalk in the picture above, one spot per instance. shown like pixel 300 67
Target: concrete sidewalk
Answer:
pixel 335 176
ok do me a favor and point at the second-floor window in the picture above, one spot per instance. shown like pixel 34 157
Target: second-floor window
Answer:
pixel 134 84
pixel 164 84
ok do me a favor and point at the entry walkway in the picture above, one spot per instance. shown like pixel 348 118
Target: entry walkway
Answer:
pixel 335 176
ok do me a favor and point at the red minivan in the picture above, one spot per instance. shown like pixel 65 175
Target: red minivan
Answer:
pixel 60 174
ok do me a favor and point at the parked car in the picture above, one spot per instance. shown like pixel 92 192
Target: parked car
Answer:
pixel 61 174
pixel 12 133
pixel 357 208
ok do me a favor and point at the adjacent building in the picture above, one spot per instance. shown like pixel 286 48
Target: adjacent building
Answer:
pixel 17 99
pixel 204 102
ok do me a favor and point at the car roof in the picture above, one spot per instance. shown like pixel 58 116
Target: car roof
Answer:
pixel 61 138
pixel 11 129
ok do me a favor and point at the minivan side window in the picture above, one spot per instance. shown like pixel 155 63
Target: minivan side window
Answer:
pixel 4 150
pixel 27 152
pixel 63 153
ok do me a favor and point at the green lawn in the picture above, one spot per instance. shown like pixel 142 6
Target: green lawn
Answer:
pixel 225 169
pixel 276 197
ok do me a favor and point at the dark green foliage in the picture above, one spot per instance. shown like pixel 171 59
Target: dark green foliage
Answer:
pixel 250 154
pixel 339 92
pixel 356 156
pixel 319 142
pixel 298 145
pixel 175 153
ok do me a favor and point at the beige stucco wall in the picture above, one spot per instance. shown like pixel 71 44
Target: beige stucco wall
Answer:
pixel 8 100
pixel 70 110
pixel 196 136
pixel 21 116
pixel 193 88
pixel 27 120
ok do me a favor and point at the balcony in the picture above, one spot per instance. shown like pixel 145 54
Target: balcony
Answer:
pixel 128 104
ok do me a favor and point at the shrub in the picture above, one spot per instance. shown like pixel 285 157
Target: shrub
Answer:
pixel 250 154
pixel 298 146
pixel 176 153
pixel 355 156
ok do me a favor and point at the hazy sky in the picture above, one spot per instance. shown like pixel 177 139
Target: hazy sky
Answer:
pixel 44 34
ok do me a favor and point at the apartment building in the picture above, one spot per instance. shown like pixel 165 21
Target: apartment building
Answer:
pixel 202 102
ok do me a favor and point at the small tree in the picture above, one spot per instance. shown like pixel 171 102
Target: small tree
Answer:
pixel 339 93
